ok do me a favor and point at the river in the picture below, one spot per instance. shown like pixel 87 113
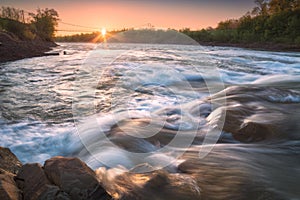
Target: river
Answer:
pixel 221 120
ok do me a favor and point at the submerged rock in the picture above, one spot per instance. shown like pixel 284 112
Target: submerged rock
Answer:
pixel 157 184
pixel 251 115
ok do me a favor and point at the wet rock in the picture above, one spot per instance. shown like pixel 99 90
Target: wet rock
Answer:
pixel 8 187
pixel 250 114
pixel 53 193
pixel 171 186
pixel 74 177
pixel 152 185
pixel 8 161
pixel 35 185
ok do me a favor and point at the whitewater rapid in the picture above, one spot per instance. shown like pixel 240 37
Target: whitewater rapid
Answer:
pixel 36 93
pixel 145 107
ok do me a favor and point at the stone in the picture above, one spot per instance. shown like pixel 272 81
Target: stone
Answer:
pixel 53 193
pixel 74 177
pixel 157 184
pixel 8 161
pixel 35 184
pixel 8 187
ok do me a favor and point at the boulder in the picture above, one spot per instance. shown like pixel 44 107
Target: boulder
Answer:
pixel 74 177
pixel 35 185
pixel 8 161
pixel 8 187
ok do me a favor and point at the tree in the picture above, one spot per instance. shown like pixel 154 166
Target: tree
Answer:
pixel 277 6
pixel 45 21
pixel 261 8
pixel 228 24
pixel 12 13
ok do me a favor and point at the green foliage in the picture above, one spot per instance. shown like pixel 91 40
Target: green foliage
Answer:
pixel 12 13
pixel 13 26
pixel 45 21
pixel 261 8
pixel 272 21
pixel 297 40
pixel 42 23
pixel 228 24
pixel 87 37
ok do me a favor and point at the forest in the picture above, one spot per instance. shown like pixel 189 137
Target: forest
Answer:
pixel 273 21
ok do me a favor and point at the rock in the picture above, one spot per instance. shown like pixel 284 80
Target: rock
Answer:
pixel 157 184
pixel 246 113
pixel 8 161
pixel 35 185
pixel 8 187
pixel 53 193
pixel 51 54
pixel 74 177
pixel 171 186
pixel 13 48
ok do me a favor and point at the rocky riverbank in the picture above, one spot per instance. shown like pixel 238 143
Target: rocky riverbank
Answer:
pixel 12 48
pixel 60 178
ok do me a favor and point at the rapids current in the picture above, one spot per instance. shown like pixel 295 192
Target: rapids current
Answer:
pixel 188 121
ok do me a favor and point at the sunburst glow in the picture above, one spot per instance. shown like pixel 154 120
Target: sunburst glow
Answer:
pixel 103 32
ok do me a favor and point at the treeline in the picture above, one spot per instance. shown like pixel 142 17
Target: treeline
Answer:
pixel 86 37
pixel 271 21
pixel 29 26
pixel 147 36
pixel 83 37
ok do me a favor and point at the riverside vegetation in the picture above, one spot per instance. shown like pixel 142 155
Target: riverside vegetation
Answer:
pixel 26 35
pixel 271 25
pixel 36 25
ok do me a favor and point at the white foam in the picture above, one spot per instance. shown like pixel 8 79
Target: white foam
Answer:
pixel 33 141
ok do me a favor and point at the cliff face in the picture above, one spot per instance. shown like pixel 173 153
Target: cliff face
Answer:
pixel 12 48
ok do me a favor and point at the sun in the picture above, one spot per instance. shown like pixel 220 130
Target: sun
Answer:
pixel 103 32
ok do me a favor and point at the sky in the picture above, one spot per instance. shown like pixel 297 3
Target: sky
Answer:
pixel 118 14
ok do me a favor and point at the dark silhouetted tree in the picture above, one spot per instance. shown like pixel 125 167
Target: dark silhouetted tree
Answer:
pixel 45 21
pixel 261 8
pixel 12 13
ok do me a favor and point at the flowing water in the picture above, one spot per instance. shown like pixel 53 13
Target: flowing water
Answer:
pixel 161 121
